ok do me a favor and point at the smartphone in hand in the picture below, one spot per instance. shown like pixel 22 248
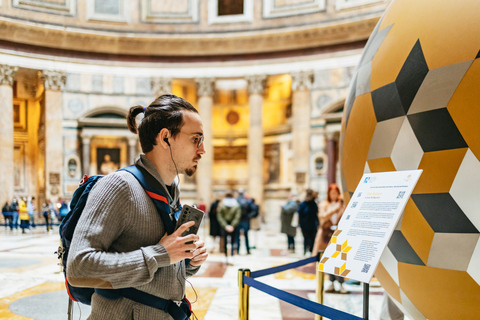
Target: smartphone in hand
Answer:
pixel 190 213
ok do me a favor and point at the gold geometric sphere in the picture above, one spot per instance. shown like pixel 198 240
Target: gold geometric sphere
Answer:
pixel 414 103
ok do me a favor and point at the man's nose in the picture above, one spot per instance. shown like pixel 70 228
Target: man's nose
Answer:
pixel 201 149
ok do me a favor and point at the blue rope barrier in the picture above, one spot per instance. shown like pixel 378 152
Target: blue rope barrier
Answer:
pixel 300 302
pixel 264 272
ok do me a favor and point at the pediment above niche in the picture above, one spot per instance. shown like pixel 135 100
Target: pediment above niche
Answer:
pixel 104 117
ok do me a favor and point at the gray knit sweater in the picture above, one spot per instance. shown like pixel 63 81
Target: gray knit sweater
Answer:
pixel 115 246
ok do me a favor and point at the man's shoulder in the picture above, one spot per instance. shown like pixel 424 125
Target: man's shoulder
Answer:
pixel 121 180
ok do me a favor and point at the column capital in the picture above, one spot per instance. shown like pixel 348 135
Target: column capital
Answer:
pixel 302 80
pixel 86 138
pixel 53 80
pixel 161 86
pixel 132 142
pixel 7 73
pixel 256 83
pixel 205 86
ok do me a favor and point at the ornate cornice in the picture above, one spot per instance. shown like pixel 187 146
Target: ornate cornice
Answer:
pixel 7 74
pixel 193 44
pixel 161 86
pixel 256 84
pixel 53 80
pixel 205 86
pixel 302 80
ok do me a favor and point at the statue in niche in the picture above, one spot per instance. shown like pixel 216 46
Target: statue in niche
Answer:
pixel 108 160
pixel 108 166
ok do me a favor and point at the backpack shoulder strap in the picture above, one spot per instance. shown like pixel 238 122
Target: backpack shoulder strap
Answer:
pixel 152 188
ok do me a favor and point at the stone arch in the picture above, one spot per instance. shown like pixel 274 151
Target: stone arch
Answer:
pixel 107 116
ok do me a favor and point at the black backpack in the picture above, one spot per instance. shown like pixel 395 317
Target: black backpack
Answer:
pixel 245 207
pixel 67 229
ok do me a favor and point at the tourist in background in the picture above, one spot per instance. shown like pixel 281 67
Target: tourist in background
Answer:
pixel 228 215
pixel 330 212
pixel 63 210
pixel 31 211
pixel 14 209
pixel 289 227
pixel 46 215
pixel 215 229
pixel 7 215
pixel 308 219
pixel 244 224
pixel 23 214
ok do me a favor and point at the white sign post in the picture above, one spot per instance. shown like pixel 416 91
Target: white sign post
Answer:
pixel 367 224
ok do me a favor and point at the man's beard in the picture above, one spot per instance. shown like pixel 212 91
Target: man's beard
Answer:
pixel 190 171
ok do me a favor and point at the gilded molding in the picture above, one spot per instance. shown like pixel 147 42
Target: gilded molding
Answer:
pixel 205 86
pixel 7 74
pixel 53 80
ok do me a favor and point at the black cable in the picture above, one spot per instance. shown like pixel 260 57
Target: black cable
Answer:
pixel 171 155
pixel 184 278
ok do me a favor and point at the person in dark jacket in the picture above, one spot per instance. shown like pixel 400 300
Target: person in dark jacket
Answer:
pixel 215 229
pixel 308 220
pixel 7 215
pixel 244 224
pixel 287 212
pixel 14 209
pixel 228 215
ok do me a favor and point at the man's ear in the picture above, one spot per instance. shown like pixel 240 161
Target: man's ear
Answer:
pixel 163 138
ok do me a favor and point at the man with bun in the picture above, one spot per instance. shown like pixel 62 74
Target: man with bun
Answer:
pixel 120 240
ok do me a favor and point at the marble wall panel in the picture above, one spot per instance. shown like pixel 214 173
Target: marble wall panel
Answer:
pixel 61 7
pixel 73 82
pixel 169 11
pixel 285 8
pixel 118 85
pixel 345 4
pixel 108 10
pixel 74 105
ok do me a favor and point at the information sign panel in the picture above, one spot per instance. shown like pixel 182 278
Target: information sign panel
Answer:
pixel 368 223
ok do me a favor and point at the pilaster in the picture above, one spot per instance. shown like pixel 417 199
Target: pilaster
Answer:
pixel 7 76
pixel 205 90
pixel 54 83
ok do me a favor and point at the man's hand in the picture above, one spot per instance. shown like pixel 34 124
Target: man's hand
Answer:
pixel 229 229
pixel 177 246
pixel 199 255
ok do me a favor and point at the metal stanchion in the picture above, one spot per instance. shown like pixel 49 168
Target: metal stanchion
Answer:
pixel 320 283
pixel 366 294
pixel 243 295
pixel 240 295
pixel 70 308
pixel 246 294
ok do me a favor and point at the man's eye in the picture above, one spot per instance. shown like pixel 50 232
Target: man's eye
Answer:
pixel 195 140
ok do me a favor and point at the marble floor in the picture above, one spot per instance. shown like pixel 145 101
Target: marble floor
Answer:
pixel 32 284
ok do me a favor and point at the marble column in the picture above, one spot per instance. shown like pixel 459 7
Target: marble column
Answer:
pixel 86 154
pixel 161 86
pixel 7 75
pixel 332 158
pixel 132 150
pixel 301 85
pixel 255 149
pixel 205 88
pixel 54 83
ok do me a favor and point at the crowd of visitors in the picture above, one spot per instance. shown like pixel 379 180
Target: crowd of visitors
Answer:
pixel 317 221
pixel 22 214
pixel 229 220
